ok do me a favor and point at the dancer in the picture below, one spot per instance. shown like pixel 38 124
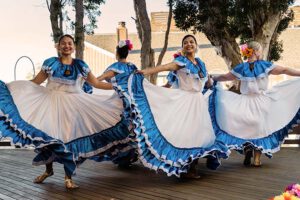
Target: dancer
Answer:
pixel 259 118
pixel 63 123
pixel 172 126
pixel 122 68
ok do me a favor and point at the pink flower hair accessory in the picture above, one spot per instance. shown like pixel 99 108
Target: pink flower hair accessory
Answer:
pixel 177 54
pixel 127 43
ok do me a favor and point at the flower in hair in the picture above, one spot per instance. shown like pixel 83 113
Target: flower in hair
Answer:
pixel 129 44
pixel 246 51
pixel 123 43
pixel 178 53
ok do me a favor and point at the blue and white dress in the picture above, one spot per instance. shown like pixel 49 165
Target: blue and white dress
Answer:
pixel 259 117
pixel 122 70
pixel 61 121
pixel 172 126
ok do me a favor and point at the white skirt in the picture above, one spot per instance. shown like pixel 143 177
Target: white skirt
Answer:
pixel 63 115
pixel 172 126
pixel 261 119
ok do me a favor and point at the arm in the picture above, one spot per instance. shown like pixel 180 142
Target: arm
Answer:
pixel 225 77
pixel 106 75
pixel 285 70
pixel 167 85
pixel 40 77
pixel 210 82
pixel 154 70
pixel 91 79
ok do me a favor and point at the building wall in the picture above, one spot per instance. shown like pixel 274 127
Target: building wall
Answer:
pixel 98 59
pixel 296 21
pixel 290 38
pixel 214 63
pixel 159 22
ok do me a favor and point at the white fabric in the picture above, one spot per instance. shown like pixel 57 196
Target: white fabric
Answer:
pixel 258 113
pixel 255 86
pixel 181 116
pixel 64 111
pixel 189 83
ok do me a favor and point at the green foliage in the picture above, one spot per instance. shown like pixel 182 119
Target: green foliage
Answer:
pixel 241 19
pixel 276 50
pixel 91 11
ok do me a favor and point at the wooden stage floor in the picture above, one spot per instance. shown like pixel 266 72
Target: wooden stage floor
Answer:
pixel 232 181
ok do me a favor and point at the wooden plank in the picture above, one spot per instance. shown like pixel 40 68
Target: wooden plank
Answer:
pixel 105 181
pixel 292 142
pixel 4 197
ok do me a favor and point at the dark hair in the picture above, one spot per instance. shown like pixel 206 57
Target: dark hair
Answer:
pixel 122 51
pixel 66 35
pixel 187 37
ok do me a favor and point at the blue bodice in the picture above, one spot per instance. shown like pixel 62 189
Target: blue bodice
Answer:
pixel 69 78
pixel 255 80
pixel 260 69
pixel 120 68
pixel 191 76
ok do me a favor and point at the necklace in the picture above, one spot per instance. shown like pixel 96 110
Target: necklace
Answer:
pixel 67 71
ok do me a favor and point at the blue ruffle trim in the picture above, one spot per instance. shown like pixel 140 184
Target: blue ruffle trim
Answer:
pixel 261 69
pixel 87 88
pixel 120 85
pixel 120 67
pixel 110 144
pixel 172 79
pixel 154 150
pixel 56 69
pixel 268 145
pixel 190 68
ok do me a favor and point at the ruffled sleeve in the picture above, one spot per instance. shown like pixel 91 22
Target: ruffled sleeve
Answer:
pixel 49 64
pixel 238 70
pixel 198 72
pixel 180 61
pixel 83 68
pixel 121 68
pixel 87 88
pixel 172 78
pixel 261 69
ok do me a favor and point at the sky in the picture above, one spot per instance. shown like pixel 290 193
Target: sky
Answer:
pixel 26 31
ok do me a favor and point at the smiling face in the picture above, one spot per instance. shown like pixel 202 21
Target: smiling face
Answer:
pixel 66 46
pixel 189 45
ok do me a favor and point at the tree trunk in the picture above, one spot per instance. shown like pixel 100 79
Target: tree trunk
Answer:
pixel 137 22
pixel 55 12
pixel 163 51
pixel 266 32
pixel 79 28
pixel 144 30
pixel 228 48
pixel 224 42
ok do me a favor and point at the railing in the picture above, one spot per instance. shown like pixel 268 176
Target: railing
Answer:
pixel 15 69
pixel 5 143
